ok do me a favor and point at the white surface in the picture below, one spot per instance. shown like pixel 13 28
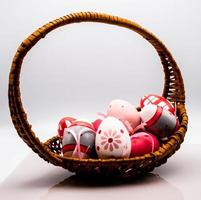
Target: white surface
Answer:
pixel 178 179
pixel 13 151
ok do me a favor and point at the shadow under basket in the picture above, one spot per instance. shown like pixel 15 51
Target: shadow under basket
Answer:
pixel 51 149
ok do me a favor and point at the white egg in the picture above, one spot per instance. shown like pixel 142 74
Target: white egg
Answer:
pixel 112 139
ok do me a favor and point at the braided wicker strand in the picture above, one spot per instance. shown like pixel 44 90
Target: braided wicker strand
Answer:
pixel 49 151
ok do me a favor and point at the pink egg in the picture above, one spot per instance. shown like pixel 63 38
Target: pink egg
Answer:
pixel 159 121
pixel 64 123
pixel 157 100
pixel 125 112
pixel 142 143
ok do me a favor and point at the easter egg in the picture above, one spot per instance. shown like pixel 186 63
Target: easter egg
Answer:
pixel 97 123
pixel 64 123
pixel 142 143
pixel 159 121
pixel 78 140
pixel 157 100
pixel 112 139
pixel 125 112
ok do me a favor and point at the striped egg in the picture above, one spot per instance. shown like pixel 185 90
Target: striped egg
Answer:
pixel 63 124
pixel 157 100
pixel 159 121
pixel 78 140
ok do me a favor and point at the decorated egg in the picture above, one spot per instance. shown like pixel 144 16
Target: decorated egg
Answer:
pixel 97 123
pixel 112 139
pixel 79 139
pixel 125 112
pixel 142 143
pixel 159 121
pixel 157 100
pixel 64 123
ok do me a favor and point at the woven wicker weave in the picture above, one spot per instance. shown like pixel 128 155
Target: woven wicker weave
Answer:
pixel 50 150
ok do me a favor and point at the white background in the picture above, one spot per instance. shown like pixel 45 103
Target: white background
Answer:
pixel 77 69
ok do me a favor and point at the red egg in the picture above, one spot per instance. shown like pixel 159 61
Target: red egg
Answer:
pixel 97 123
pixel 157 100
pixel 64 123
pixel 143 143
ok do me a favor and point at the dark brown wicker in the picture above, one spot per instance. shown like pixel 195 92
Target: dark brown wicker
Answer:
pixel 50 150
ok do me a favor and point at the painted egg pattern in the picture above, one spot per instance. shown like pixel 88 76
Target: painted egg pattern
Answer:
pixel 112 139
pixel 157 100
pixel 159 121
pixel 126 112
pixel 78 140
pixel 64 123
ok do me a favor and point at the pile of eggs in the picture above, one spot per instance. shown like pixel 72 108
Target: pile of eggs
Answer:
pixel 122 132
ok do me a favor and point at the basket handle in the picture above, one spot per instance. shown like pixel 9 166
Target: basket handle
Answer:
pixel 173 85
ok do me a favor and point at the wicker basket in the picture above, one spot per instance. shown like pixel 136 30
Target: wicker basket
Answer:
pixel 51 149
